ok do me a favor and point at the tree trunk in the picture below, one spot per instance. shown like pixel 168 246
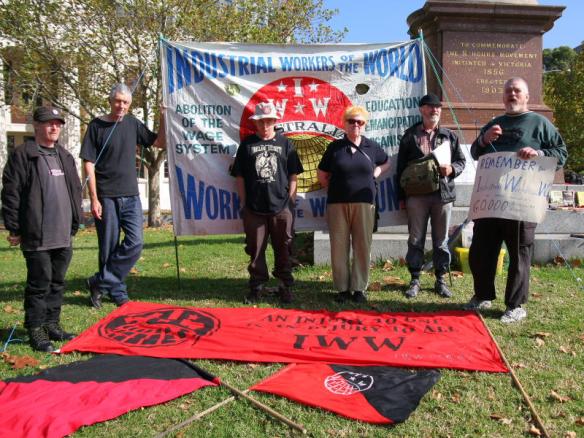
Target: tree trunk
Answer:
pixel 154 158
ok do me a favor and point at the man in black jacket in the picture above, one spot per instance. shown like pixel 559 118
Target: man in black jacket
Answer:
pixel 41 206
pixel 420 141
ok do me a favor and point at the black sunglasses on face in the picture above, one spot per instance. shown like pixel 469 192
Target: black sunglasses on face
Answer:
pixel 355 122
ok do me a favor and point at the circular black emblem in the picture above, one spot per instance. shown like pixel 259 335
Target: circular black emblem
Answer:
pixel 160 327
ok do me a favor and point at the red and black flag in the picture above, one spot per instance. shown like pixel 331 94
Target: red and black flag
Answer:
pixel 449 339
pixel 60 400
pixel 380 395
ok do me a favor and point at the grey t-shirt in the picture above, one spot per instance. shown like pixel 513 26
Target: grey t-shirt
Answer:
pixel 57 214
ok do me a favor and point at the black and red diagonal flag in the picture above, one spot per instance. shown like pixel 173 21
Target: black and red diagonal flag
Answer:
pixel 60 400
pixel 381 395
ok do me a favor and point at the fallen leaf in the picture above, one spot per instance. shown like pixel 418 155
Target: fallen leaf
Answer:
pixel 321 277
pixel 183 406
pixel 535 295
pixel 183 270
pixel 558 397
pixel 375 286
pixel 457 274
pixel 581 337
pixel 19 362
pixel 501 419
pixel 166 265
pixel 455 397
pixel 570 434
pixel 565 350
pixel 436 395
pixel 541 335
pixel 518 365
pixel 558 260
pixel 534 431
pixel 402 261
pixel 580 421
pixel 9 309
pixel 393 281
pixel 539 342
pixel 492 394
pixel 388 265
pixel 253 366
pixel 134 271
pixel 77 293
pixel 576 263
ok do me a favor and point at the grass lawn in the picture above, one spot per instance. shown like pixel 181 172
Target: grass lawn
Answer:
pixel 546 350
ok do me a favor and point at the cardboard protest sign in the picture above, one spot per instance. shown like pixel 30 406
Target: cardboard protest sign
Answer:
pixel 510 187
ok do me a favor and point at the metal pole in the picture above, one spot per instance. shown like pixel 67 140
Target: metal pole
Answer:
pixel 177 262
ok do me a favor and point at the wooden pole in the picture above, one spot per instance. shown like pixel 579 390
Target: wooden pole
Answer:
pixel 197 416
pixel 518 384
pixel 265 408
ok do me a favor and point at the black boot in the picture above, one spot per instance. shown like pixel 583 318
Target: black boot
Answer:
pixel 39 340
pixel 56 333
pixel 343 296
pixel 285 294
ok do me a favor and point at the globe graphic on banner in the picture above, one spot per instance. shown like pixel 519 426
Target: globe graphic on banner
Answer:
pixel 311 116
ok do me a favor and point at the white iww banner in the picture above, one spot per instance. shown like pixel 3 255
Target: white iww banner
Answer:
pixel 211 89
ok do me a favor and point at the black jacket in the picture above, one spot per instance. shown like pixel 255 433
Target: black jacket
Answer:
pixel 409 150
pixel 22 196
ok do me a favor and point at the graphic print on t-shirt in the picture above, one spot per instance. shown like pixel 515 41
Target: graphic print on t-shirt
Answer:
pixel 266 165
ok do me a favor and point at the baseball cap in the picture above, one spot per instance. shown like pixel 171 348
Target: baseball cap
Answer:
pixel 46 113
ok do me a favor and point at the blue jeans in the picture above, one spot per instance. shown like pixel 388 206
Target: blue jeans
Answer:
pixel 421 208
pixel 116 258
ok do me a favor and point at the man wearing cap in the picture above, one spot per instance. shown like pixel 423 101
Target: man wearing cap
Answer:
pixel 419 141
pixel 109 154
pixel 41 206
pixel 266 167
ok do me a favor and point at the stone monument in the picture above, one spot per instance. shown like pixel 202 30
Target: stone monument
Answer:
pixel 480 44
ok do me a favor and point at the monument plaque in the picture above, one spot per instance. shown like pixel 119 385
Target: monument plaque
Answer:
pixel 488 63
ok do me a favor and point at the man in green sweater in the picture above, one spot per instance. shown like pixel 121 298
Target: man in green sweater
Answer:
pixel 530 135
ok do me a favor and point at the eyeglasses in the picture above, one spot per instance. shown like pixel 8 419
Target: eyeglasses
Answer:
pixel 355 122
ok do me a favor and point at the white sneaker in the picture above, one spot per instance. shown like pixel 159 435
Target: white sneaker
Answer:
pixel 476 304
pixel 513 315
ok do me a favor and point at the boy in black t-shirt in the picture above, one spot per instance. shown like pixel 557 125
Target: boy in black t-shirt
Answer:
pixel 266 167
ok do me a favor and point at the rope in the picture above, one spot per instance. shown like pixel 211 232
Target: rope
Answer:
pixel 10 339
pixel 433 61
pixel 570 268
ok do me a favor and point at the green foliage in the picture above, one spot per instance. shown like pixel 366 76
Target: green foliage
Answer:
pixel 77 49
pixel 81 47
pixel 564 93
pixel 545 349
pixel 559 58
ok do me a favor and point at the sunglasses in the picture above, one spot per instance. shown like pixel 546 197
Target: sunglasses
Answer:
pixel 355 122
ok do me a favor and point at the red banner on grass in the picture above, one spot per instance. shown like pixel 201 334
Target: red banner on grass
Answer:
pixel 452 339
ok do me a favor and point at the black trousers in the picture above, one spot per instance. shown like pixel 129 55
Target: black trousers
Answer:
pixel 45 282
pixel 488 236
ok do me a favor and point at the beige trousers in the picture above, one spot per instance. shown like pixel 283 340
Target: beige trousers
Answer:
pixel 350 225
